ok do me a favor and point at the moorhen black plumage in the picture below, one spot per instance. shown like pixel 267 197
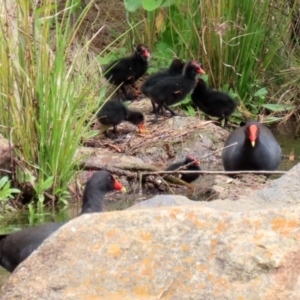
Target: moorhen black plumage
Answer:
pixel 193 165
pixel 212 102
pixel 173 89
pixel 174 69
pixel 16 247
pixel 256 149
pixel 127 70
pixel 113 112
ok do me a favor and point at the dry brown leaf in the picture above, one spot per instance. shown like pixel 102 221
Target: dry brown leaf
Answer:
pixel 160 21
pixel 292 155
pixel 115 147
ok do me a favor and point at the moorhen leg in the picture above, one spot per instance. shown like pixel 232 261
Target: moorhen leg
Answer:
pixel 173 113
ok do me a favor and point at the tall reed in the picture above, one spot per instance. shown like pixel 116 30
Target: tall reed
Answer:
pixel 49 90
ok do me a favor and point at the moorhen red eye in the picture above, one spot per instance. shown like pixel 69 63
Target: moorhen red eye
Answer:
pixel 113 112
pixel 175 69
pixel 256 149
pixel 173 89
pixel 193 165
pixel 127 70
pixel 16 247
pixel 212 102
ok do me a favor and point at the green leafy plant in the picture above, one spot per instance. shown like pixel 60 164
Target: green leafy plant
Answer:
pixel 238 42
pixel 49 92
pixel 6 191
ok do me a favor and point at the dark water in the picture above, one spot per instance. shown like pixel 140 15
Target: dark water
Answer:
pixel 15 221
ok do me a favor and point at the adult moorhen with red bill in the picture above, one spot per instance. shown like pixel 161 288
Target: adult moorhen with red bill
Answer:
pixel 173 89
pixel 212 102
pixel 16 247
pixel 127 70
pixel 191 163
pixel 174 69
pixel 256 149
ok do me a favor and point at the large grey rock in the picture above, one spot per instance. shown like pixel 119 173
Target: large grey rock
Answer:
pixel 278 193
pixel 182 252
pixel 179 250
pixel 164 201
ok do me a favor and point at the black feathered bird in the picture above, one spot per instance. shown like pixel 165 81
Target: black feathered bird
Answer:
pixel 114 112
pixel 173 89
pixel 212 102
pixel 256 149
pixel 16 247
pixel 127 70
pixel 191 163
pixel 174 69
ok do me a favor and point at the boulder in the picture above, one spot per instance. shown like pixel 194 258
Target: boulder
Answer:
pixel 179 249
pixel 182 252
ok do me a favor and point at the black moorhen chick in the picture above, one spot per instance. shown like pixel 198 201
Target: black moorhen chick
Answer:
pixel 212 102
pixel 175 69
pixel 16 247
pixel 256 149
pixel 193 165
pixel 113 112
pixel 127 70
pixel 173 89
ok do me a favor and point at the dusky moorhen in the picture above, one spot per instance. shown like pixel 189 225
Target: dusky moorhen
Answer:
pixel 16 247
pixel 256 149
pixel 173 89
pixel 174 69
pixel 113 112
pixel 193 165
pixel 212 102
pixel 127 70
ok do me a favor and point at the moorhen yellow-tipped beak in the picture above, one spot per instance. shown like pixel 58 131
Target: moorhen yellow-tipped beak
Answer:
pixel 253 133
pixel 119 187
pixel 201 71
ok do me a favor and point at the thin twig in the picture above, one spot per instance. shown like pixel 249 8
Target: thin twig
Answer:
pixel 118 171
pixel 165 290
pixel 214 172
pixel 5 171
pixel 222 148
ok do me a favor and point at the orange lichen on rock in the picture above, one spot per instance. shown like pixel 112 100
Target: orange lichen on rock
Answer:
pixel 142 291
pixel 283 226
pixel 111 233
pixel 146 236
pixel 185 247
pixel 114 250
pixel 221 227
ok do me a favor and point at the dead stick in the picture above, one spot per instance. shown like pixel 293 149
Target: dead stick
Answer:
pixel 118 171
pixel 214 172
pixel 209 154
